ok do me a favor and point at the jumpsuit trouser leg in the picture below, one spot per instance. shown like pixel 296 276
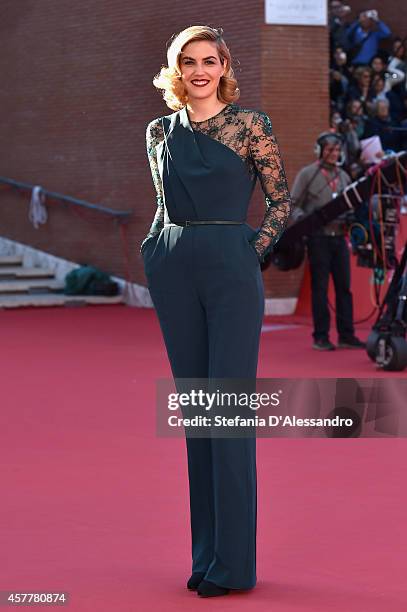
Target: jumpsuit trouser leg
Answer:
pixel 234 327
pixel 211 329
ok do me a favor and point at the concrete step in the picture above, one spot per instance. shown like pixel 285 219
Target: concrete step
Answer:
pixel 33 285
pixel 11 260
pixel 17 301
pixel 10 272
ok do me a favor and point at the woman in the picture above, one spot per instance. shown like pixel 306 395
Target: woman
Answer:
pixel 349 138
pixel 354 112
pixel 391 77
pixel 381 124
pixel 388 95
pixel 361 89
pixel 205 279
pixel 398 58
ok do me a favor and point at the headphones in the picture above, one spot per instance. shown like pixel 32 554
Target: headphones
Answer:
pixel 323 139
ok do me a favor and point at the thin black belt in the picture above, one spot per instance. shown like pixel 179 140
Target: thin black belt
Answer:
pixel 217 222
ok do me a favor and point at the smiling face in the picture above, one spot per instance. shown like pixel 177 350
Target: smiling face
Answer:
pixel 331 153
pixel 201 69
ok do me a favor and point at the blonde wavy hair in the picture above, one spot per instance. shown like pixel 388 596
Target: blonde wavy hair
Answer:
pixel 169 78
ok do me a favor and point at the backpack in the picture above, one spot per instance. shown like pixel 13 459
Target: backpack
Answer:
pixel 88 280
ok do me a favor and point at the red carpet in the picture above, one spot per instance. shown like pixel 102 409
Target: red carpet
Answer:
pixel 94 504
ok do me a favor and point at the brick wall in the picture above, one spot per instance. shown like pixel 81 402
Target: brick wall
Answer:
pixel 77 94
pixel 295 93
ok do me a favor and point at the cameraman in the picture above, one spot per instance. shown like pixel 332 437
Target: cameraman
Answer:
pixel 328 253
pixel 364 35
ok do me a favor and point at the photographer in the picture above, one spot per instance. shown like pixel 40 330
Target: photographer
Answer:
pixel 355 113
pixel 351 144
pixel 328 253
pixel 364 36
pixel 339 79
pixel 338 24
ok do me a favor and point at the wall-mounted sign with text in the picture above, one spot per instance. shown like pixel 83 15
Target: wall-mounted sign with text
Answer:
pixel 296 12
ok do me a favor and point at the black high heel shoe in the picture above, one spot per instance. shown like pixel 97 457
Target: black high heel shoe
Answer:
pixel 194 581
pixel 210 589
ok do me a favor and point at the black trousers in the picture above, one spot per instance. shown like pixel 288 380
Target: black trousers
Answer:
pixel 330 255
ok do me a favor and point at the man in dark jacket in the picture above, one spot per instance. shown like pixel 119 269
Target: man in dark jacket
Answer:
pixel 338 24
pixel 381 125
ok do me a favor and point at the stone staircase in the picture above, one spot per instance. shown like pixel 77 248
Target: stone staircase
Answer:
pixel 25 286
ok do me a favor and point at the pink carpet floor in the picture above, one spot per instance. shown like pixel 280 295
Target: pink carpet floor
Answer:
pixel 93 503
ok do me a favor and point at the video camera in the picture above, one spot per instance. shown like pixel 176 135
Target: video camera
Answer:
pixel 372 231
pixel 370 205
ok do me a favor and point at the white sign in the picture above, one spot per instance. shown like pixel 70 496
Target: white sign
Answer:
pixel 372 150
pixel 296 12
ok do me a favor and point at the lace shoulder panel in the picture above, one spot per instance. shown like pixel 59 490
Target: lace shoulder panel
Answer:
pixel 249 133
pixel 265 152
pixel 154 135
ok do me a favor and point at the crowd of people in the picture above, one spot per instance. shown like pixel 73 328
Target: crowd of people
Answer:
pixel 368 119
pixel 368 84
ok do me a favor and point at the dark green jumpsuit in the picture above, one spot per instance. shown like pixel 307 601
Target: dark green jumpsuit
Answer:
pixel 206 285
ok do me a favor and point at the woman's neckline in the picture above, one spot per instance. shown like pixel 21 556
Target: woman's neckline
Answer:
pixel 209 118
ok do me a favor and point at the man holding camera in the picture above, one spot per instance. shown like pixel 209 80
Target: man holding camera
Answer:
pixel 338 25
pixel 364 35
pixel 328 253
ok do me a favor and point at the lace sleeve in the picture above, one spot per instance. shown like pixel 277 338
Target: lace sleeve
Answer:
pixel 265 153
pixel 153 137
